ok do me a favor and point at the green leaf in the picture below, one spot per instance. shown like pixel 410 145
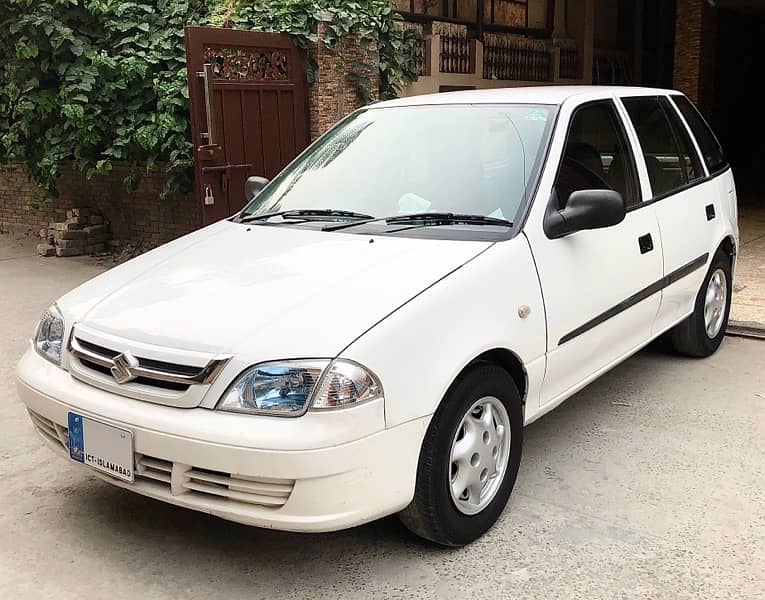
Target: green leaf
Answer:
pixel 73 112
pixel 26 50
pixel 312 71
pixel 103 166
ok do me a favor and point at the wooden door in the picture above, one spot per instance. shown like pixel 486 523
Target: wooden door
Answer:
pixel 248 97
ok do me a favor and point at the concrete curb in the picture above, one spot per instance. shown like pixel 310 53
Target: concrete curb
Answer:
pixel 748 329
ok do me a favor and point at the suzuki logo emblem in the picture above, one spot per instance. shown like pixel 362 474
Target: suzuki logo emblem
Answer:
pixel 122 371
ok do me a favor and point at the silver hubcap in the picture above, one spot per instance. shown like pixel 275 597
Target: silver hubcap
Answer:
pixel 714 303
pixel 479 456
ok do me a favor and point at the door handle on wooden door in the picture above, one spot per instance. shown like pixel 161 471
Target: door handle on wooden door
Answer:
pixel 646 243
pixel 206 75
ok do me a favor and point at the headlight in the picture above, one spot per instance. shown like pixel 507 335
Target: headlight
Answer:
pixel 50 335
pixel 289 388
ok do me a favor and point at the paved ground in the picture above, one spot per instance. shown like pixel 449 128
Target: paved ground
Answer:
pixel 648 484
pixel 748 303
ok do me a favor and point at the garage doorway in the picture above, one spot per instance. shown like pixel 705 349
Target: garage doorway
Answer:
pixel 737 117
pixel 736 111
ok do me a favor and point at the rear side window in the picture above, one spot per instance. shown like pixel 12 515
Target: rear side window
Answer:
pixel 710 147
pixel 597 155
pixel 690 161
pixel 665 160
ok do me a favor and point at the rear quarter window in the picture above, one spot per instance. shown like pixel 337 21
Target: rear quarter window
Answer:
pixel 710 148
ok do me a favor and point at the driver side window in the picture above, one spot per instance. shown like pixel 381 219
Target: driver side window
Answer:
pixel 597 155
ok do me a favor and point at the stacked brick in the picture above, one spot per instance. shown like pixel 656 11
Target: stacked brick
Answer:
pixel 83 232
pixel 139 218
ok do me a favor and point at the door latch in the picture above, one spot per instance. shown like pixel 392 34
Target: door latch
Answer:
pixel 209 198
pixel 710 212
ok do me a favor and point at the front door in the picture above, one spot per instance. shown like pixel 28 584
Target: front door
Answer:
pixel 596 283
pixel 248 98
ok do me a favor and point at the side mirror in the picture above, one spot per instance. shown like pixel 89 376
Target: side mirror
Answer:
pixel 253 186
pixel 585 209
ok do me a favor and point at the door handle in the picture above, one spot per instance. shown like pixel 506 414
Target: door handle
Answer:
pixel 207 78
pixel 646 243
pixel 710 212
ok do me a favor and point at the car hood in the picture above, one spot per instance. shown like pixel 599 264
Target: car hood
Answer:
pixel 263 292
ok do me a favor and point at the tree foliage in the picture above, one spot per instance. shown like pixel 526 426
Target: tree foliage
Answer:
pixel 372 20
pixel 101 81
pixel 95 81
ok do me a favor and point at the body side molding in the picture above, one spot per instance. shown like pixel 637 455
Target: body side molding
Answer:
pixel 646 292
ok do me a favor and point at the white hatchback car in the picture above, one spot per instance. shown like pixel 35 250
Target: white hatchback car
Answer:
pixel 372 332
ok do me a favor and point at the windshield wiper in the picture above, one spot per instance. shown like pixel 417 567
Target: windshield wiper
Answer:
pixel 306 212
pixel 431 218
pixel 449 219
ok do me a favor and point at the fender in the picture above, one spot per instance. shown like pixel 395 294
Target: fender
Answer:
pixel 472 311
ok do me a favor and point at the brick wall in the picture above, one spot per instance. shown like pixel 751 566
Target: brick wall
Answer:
pixel 332 95
pixel 139 218
pixel 695 45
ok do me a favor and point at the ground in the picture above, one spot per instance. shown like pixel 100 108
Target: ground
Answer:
pixel 647 484
pixel 748 307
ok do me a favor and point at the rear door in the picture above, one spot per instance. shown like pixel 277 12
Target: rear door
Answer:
pixel 686 201
pixel 712 154
pixel 597 284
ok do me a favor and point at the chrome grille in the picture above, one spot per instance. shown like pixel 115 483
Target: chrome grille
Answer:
pixel 149 372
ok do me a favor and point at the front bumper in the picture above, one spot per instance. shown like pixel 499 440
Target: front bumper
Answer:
pixel 311 473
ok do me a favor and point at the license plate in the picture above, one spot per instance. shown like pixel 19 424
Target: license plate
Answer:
pixel 104 447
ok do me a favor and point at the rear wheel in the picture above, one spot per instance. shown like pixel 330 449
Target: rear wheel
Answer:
pixel 469 459
pixel 701 333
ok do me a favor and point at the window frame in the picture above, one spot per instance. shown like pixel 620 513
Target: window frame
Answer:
pixel 486 23
pixel 726 163
pixel 629 147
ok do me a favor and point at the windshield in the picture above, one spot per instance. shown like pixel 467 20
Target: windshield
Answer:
pixel 467 159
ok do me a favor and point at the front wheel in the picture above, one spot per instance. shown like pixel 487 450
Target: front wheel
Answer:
pixel 469 459
pixel 701 334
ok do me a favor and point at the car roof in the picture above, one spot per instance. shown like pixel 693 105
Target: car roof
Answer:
pixel 543 94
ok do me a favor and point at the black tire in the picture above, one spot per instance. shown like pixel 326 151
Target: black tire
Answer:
pixel 690 337
pixel 432 513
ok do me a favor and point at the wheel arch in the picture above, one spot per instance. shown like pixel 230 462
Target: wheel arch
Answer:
pixel 507 360
pixel 728 246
